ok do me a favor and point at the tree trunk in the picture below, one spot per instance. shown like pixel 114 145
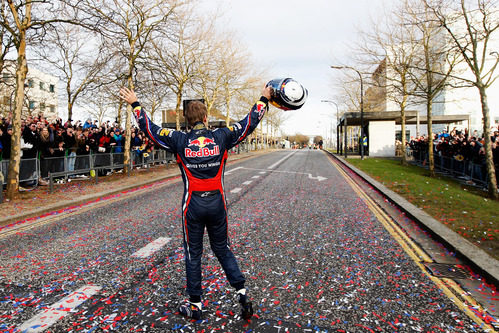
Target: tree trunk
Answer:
pixel 491 172
pixel 177 110
pixel 227 118
pixel 128 129
pixel 431 160
pixel 402 125
pixel 209 106
pixel 261 132
pixel 70 110
pixel 119 116
pixel 15 151
pixel 267 130
pixel 70 102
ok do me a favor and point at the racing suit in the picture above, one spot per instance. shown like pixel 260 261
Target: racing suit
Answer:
pixel 201 155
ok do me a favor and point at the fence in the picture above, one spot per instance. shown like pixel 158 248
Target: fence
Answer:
pixel 31 170
pixel 461 169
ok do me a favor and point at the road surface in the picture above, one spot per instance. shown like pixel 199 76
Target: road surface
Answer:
pixel 318 255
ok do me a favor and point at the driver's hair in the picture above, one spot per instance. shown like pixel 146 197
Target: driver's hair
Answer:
pixel 195 112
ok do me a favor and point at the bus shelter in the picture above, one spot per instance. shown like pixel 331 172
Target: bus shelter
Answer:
pixel 380 129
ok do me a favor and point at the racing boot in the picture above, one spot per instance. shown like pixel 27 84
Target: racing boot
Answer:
pixel 246 306
pixel 191 310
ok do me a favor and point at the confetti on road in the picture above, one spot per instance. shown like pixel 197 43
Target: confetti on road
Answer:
pixel 152 247
pixel 315 258
pixel 57 311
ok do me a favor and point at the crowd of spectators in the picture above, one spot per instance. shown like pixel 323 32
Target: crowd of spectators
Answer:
pixel 460 146
pixel 52 141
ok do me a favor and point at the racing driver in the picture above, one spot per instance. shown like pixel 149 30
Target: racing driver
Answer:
pixel 201 155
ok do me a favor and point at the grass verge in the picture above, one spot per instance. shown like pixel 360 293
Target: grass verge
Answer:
pixel 462 208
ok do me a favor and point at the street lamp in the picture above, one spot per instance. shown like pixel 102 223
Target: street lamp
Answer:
pixel 337 121
pixel 361 107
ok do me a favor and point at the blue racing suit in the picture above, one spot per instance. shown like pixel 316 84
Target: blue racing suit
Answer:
pixel 201 155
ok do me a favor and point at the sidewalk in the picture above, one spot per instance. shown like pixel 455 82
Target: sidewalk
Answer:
pixel 39 202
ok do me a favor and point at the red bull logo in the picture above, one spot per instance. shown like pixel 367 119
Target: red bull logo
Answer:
pixel 260 109
pixel 201 142
pixel 202 150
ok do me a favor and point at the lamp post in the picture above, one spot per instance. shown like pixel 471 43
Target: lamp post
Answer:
pixel 361 107
pixel 337 121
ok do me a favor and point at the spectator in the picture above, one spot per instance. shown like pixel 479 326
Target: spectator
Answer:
pixel 118 138
pixel 1 146
pixel 135 143
pixel 82 150
pixel 58 137
pixel 118 148
pixel 53 142
pixel 31 140
pixel 5 138
pixel 46 148
pixel 71 147
pixel 103 150
pixel 459 152
pixel 58 153
pixel 112 140
pixel 88 124
pixel 68 123
pixel 145 150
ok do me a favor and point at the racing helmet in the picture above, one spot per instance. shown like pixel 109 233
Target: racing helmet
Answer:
pixel 287 94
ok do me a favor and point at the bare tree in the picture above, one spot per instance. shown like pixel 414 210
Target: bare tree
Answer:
pixel 210 73
pixel 8 87
pixel 156 99
pixel 393 47
pixel 275 117
pixel 174 56
pixel 25 28
pixel 155 93
pixel 348 82
pixel 433 63
pixel 6 44
pixel 129 26
pixel 278 119
pixel 76 56
pixel 300 139
pixel 317 139
pixel 101 105
pixel 471 26
pixel 234 70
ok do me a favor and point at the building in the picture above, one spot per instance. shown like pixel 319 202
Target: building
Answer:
pixel 40 92
pixel 453 106
pixel 464 100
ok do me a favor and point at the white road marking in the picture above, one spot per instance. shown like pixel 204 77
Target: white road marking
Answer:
pixel 319 178
pixel 231 170
pixel 58 310
pixel 282 159
pixel 247 182
pixel 152 247
pixel 236 190
pixel 255 177
pixel 262 172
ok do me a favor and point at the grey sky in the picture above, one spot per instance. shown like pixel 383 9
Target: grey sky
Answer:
pixel 300 39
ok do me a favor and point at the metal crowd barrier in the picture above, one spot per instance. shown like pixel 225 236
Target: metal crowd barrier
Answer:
pixel 31 170
pixel 53 168
pixel 105 162
pixel 463 170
